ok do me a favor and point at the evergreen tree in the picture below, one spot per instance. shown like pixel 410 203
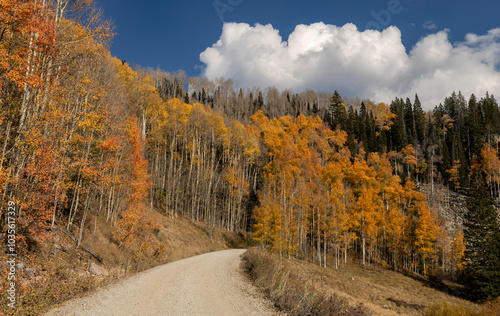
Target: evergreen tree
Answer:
pixel 464 164
pixel 489 107
pixel 315 108
pixel 338 113
pixel 475 129
pixel 420 120
pixel 259 102
pixel 203 96
pixel 410 122
pixel 372 145
pixel 362 121
pixel 446 162
pixel 482 236
pixel 352 130
pixel 354 119
pixel 398 130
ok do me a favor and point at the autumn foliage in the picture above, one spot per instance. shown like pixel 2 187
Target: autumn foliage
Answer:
pixel 70 118
pixel 85 136
pixel 318 202
pixel 202 166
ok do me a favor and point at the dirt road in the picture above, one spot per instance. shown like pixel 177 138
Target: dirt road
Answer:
pixel 209 284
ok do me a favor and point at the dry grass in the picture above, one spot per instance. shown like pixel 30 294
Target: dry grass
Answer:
pixel 59 272
pixel 181 237
pixel 52 282
pixel 382 291
pixel 292 291
pixel 445 308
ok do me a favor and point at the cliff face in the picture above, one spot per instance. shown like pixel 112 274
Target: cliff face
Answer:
pixel 451 205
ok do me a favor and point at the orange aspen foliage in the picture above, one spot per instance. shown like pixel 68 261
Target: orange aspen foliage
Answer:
pixel 454 173
pixel 457 253
pixel 235 182
pixel 448 123
pixel 28 32
pixel 491 163
pixel 424 223
pixel 383 116
pixel 426 229
pixel 140 178
pixel 409 156
pixel 38 190
pixel 135 223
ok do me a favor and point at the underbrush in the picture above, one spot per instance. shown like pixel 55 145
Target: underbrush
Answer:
pixel 43 283
pixel 444 308
pixel 239 240
pixel 299 287
pixel 291 291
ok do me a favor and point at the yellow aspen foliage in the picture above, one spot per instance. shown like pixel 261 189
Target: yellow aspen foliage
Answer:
pixel 454 173
pixel 383 116
pixel 458 250
pixel 491 163
pixel 409 156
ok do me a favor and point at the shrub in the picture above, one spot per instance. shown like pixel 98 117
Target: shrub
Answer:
pixel 448 309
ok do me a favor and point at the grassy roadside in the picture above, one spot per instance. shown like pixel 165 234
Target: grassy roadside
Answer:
pixel 293 291
pixel 302 288
pixel 54 271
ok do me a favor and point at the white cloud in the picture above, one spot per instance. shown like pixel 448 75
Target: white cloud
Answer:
pixel 429 25
pixel 369 64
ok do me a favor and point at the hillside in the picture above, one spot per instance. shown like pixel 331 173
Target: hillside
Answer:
pixel 301 288
pixel 57 270
pixel 106 165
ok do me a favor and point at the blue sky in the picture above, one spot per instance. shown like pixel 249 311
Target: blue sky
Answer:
pixel 172 34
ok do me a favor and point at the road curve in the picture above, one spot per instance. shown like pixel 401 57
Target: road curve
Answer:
pixel 208 284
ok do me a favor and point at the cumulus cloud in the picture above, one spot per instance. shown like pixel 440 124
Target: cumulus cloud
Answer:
pixel 369 64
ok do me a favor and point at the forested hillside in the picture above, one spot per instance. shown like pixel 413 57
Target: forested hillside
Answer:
pixel 455 130
pixel 313 175
pixel 70 113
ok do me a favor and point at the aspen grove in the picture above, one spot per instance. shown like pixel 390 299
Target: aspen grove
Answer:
pixel 84 136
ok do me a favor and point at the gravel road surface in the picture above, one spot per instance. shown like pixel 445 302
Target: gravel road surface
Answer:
pixel 209 284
